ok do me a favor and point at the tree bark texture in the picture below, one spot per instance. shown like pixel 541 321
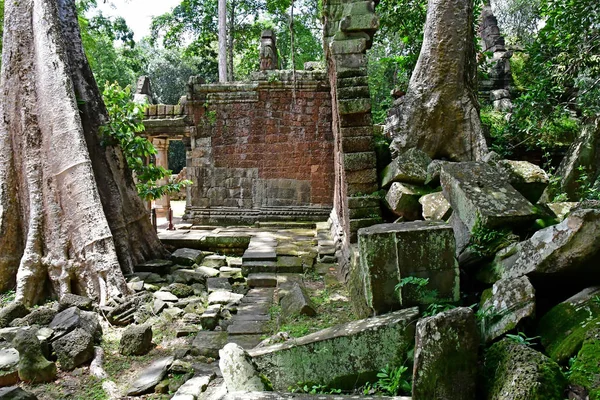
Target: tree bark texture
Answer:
pixel 222 14
pixel 70 217
pixel 439 113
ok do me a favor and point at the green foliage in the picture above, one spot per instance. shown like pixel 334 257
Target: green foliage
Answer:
pixel 7 297
pixel 123 129
pixel 420 283
pixel 587 189
pixel 495 123
pixel 486 242
pixel 392 382
pixel 523 339
pixel 314 389
pixel 436 308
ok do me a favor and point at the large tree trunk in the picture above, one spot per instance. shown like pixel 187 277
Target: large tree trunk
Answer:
pixel 222 14
pixel 70 217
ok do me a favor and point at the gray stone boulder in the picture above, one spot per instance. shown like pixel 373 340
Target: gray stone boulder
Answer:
pixel 562 209
pixel 514 371
pixel 69 300
pixel 151 376
pixel 410 167
pixel 433 172
pixel 73 318
pixel 239 372
pixel 33 366
pixel 16 393
pixel 571 247
pixel 481 196
pixel 214 261
pixel 9 363
pixel 190 276
pixel 445 365
pixel 11 312
pixel 403 200
pixel 505 306
pixel 193 388
pixel 187 257
pixel 439 113
pixel 297 302
pixel 160 267
pixel 39 316
pixel 564 327
pixel 529 179
pixel 343 356
pixel 136 340
pixel 74 349
pixel 180 290
pixel 388 255
pixel 435 207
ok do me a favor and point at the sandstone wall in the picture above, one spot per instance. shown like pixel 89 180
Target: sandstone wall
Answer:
pixel 261 150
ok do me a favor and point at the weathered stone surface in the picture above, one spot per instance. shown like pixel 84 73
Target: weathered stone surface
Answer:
pixel 10 312
pixel 505 305
pixel 39 316
pixel 210 318
pixel 150 376
pixel 33 366
pixel 445 366
pixel 187 257
pixel 16 393
pixel 262 280
pixel 299 396
pixel 193 388
pixel 214 261
pixel 514 371
pixel 562 209
pixel 529 179
pixel 222 297
pixel 435 207
pixel 136 340
pixel 247 327
pixel 69 300
pixel 403 200
pixel 570 247
pixel 438 114
pixel 342 356
pixel 74 348
pixel 180 290
pixel 165 296
pixel 190 276
pixel 482 197
pixel 296 302
pixel 9 362
pixel 215 284
pixel 388 254
pixel 73 318
pixel 564 327
pixel 239 372
pixel 410 167
pixel 159 267
pixel 208 272
pixel 208 344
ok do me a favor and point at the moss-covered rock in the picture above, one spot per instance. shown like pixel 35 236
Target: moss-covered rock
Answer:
pixel 514 371
pixel 585 370
pixel 446 356
pixel 564 327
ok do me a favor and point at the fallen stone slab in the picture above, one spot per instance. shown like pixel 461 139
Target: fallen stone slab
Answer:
pixel 481 196
pixel 208 344
pixel 446 356
pixel 409 167
pixel 10 312
pixel 388 255
pixel 193 388
pixel 73 318
pixel 262 280
pixel 344 356
pixel 210 318
pixel 33 366
pixel 435 207
pixel 514 371
pixel 403 200
pixel 9 361
pixel 571 248
pixel 136 340
pixel 221 297
pixel 160 267
pixel 505 306
pixel 266 253
pixel 124 314
pixel 150 377
pixel 190 276
pixel 249 267
pixel 529 179
pixel 214 261
pixel 74 349
pixel 239 327
pixel 297 302
pixel 187 257
pixel 215 284
pixel 239 372
pixel 69 300
pixel 165 296
pixel 562 209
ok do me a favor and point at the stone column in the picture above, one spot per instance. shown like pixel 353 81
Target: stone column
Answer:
pixel 163 204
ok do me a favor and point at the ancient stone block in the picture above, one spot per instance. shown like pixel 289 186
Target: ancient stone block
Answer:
pixel 481 196
pixel 148 378
pixel 74 348
pixel 403 200
pixel 297 302
pixel 388 254
pixel 410 167
pixel 529 179
pixel 505 305
pixel 435 207
pixel 342 356
pixel 136 340
pixel 445 366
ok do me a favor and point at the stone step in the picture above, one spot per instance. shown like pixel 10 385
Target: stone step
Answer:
pixel 262 280
pixel 247 328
